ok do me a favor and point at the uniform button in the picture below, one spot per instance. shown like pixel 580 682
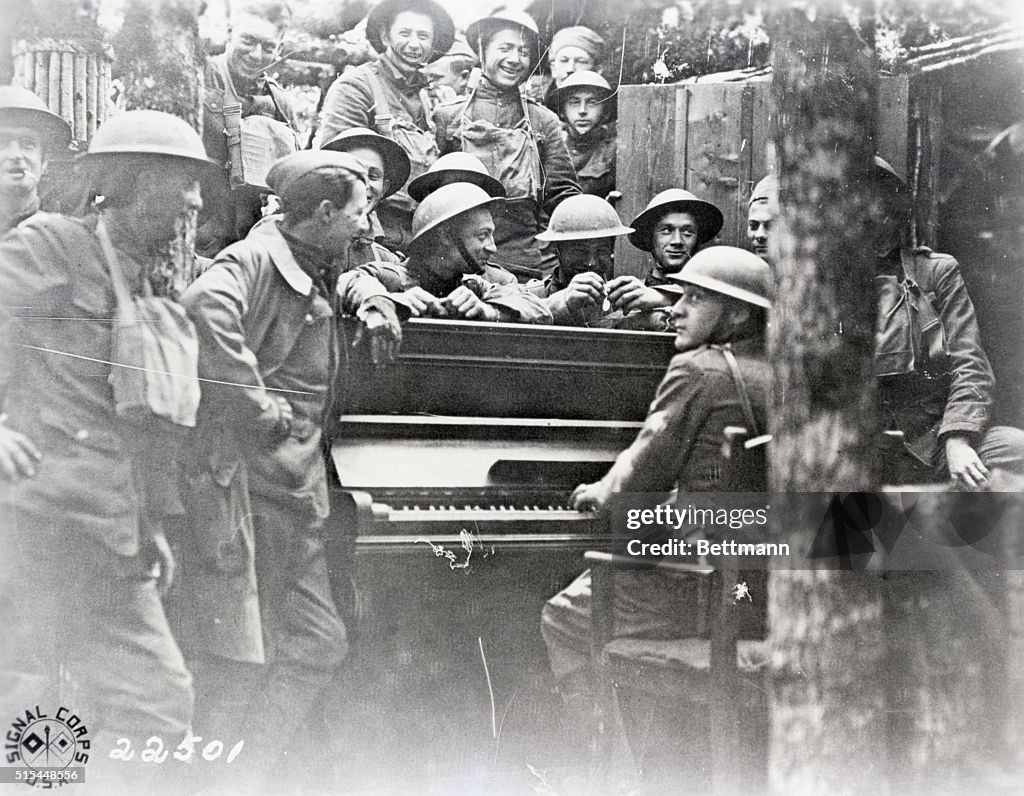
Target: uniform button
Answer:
pixel 82 434
pixel 309 318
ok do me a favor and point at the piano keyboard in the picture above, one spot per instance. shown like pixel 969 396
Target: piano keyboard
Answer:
pixel 487 513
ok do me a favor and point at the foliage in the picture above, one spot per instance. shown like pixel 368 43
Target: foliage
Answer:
pixel 669 41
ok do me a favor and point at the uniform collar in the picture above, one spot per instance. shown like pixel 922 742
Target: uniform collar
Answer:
pixel 412 80
pixel 268 233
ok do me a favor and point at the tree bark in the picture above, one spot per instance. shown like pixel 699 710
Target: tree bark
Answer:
pixel 828 637
pixel 158 58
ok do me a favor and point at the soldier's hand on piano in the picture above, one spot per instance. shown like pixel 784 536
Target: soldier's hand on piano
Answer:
pixel 382 330
pixel 464 303
pixel 628 293
pixel 423 304
pixel 589 497
pixel 584 292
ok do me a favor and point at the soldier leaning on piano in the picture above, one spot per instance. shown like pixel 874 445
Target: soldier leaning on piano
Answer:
pixel 266 313
pixel 448 273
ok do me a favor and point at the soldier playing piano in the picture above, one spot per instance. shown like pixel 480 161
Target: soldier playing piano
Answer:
pixel 448 273
pixel 720 378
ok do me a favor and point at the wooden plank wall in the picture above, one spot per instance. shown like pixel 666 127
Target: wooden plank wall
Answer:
pixel 713 140
pixel 710 139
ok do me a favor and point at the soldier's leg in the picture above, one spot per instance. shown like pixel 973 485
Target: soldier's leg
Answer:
pixel 304 638
pixel 126 671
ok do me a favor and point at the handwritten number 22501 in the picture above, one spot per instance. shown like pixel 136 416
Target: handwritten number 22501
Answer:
pixel 154 751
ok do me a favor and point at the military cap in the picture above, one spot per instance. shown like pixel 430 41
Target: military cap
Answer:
pixel 288 174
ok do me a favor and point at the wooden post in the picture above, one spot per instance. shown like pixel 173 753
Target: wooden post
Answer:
pixel 92 114
pixel 80 69
pixel 828 719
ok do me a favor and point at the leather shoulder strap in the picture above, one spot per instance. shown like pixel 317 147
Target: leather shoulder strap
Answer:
pixel 741 388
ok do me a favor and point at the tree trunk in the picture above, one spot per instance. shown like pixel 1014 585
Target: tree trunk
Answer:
pixel 828 638
pixel 158 58
pixel 159 61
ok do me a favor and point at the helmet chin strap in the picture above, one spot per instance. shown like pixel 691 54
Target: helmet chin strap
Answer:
pixel 470 261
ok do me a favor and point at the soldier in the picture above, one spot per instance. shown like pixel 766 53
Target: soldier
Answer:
pixel 387 169
pixel 267 315
pixel 519 141
pixel 719 378
pixel 583 230
pixel 449 75
pixel 448 274
pixel 574 49
pixel 673 227
pixel 761 211
pixel 29 133
pixel 389 94
pixel 583 102
pixel 241 103
pixel 935 381
pixel 81 504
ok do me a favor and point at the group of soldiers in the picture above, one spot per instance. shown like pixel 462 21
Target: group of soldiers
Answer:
pixel 167 570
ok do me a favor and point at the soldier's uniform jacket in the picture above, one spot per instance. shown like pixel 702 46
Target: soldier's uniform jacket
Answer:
pixel 681 439
pixel 934 375
pixel 57 303
pixel 265 322
pixel 521 144
pixel 494 285
pixel 264 97
pixel 593 157
pixel 354 100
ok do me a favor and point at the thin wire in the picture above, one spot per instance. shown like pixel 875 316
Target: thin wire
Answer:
pixel 162 372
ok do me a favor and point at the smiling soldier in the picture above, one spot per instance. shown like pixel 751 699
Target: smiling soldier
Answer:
pixel 389 95
pixel 29 133
pixel 248 122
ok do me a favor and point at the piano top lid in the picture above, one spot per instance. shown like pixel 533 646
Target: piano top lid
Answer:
pixel 506 370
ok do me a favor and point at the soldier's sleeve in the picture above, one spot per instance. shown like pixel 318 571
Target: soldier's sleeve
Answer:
pixel 347 105
pixel 28 282
pixel 217 302
pixel 517 303
pixel 969 404
pixel 657 455
pixel 358 286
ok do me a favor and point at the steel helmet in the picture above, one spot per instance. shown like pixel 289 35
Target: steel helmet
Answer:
pixel 396 160
pixel 20 107
pixel 446 203
pixel 455 167
pixel 505 19
pixel 709 218
pixel 583 217
pixel 148 133
pixel 727 270
pixel 585 78
pixel 383 14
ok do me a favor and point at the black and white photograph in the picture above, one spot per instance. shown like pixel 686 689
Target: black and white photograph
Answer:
pixel 512 397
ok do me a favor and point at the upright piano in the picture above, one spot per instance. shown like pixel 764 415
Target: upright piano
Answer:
pixel 452 526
